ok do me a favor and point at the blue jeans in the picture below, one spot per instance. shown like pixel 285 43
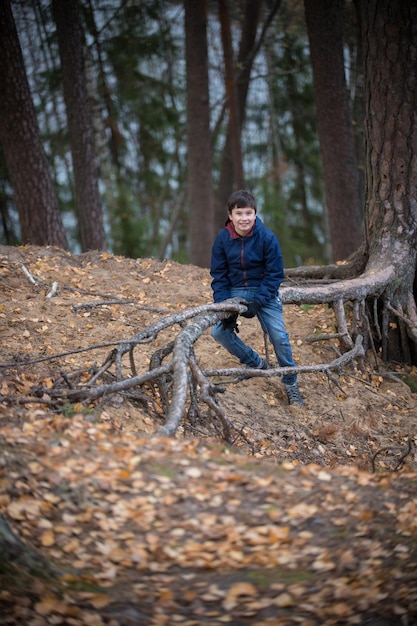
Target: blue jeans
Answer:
pixel 271 320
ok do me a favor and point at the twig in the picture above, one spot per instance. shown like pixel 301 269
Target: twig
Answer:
pixel 53 290
pixel 28 274
pixel 92 305
pixel 86 393
pixel 405 455
pixel 335 382
pixel 323 337
pixel 207 395
pixel 347 357
pixel 393 449
pixel 7 285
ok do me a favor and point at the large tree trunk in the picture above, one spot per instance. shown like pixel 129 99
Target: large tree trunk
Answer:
pixel 390 52
pixel 80 126
pixel 27 164
pixel 200 186
pixel 341 178
pixel 382 296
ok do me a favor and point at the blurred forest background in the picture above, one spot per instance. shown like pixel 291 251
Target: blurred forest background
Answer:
pixel 150 112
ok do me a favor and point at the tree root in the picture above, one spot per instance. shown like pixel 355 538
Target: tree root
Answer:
pixel 178 382
pixel 400 461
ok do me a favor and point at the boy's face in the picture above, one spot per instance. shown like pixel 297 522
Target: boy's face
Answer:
pixel 243 219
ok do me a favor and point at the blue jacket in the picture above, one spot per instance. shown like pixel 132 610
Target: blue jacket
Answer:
pixel 251 261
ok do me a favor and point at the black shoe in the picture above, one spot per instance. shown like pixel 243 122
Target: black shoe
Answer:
pixel 294 395
pixel 263 366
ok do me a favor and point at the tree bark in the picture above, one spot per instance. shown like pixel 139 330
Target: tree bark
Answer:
pixel 27 164
pixel 341 178
pixel 232 102
pixel 245 58
pixel 390 51
pixel 200 186
pixel 80 126
pixel 384 306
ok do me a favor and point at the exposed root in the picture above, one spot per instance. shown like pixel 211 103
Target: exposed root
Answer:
pixel 175 377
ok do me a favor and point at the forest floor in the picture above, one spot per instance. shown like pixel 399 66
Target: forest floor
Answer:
pixel 310 517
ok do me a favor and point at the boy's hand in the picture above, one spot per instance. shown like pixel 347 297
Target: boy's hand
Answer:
pixel 253 308
pixel 231 323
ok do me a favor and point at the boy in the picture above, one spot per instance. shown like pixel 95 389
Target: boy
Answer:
pixel 246 262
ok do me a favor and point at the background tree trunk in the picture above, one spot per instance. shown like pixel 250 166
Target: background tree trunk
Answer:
pixel 341 179
pixel 242 72
pixel 27 164
pixel 200 187
pixel 235 125
pixel 80 127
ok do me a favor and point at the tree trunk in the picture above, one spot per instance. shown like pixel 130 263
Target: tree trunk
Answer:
pixel 200 187
pixel 244 62
pixel 13 550
pixel 80 126
pixel 341 179
pixel 390 52
pixel 235 124
pixel 27 164
pixel 382 296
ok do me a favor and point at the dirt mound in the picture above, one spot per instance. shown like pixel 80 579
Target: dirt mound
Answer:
pixel 347 419
pixel 309 518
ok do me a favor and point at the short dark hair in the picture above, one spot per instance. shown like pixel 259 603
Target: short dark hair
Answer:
pixel 241 199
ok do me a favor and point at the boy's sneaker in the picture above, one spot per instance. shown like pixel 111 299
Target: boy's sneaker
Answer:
pixel 264 365
pixel 294 395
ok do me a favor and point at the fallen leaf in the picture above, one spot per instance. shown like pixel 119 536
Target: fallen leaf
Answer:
pixel 240 589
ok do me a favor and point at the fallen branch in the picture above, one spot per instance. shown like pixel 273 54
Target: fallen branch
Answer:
pixel 53 290
pixel 93 305
pixel 180 380
pixel 29 275
pixel 344 359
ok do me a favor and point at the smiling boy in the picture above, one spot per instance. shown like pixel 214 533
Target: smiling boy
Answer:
pixel 246 262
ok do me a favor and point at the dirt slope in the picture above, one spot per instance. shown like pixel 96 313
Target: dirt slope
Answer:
pixel 188 530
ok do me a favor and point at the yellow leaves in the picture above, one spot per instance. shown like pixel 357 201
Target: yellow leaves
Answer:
pixel 97 600
pixel 72 546
pixel 240 589
pixel 302 510
pixel 283 600
pixel 47 538
pixel 279 534
pixel 124 474
pixel 51 605
pixel 324 563
pixel 376 380
pixel 24 508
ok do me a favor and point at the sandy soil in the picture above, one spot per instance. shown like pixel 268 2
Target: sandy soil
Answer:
pixel 347 420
